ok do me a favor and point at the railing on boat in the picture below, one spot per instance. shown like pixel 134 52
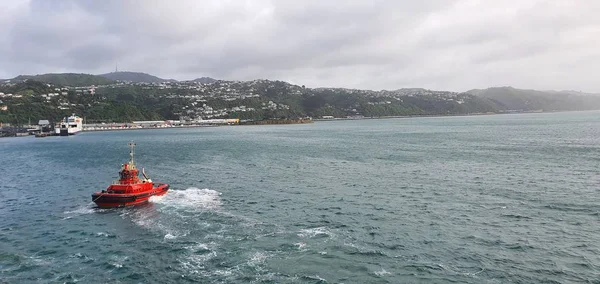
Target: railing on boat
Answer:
pixel 117 182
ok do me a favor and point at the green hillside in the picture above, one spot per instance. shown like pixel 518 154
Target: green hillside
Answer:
pixel 135 77
pixel 512 99
pixel 265 99
pixel 67 79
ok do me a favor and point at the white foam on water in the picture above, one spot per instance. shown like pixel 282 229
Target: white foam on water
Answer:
pixel 218 272
pixel 257 262
pixel 313 232
pixel 37 260
pixel 192 197
pixel 144 222
pixel 170 237
pixel 223 272
pixel 150 218
pixel 197 255
pixel 174 234
pixel 316 277
pixel 87 209
pixel 300 245
pixel 257 258
pixel 474 274
pixel 382 272
pixel 142 218
pixel 82 257
pixel 117 261
pixel 194 263
pixel 458 271
pixel 214 237
pixel 199 246
pixel 160 226
pixel 200 259
pixel 157 199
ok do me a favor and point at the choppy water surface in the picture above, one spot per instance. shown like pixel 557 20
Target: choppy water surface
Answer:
pixel 489 199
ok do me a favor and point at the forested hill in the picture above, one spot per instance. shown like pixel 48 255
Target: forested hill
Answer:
pixel 508 98
pixel 204 80
pixel 82 80
pixel 139 77
pixel 262 99
pixel 135 77
pixel 66 79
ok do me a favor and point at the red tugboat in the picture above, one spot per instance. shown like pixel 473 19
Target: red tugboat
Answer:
pixel 129 189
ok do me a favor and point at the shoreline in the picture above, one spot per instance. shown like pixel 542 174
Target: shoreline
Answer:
pixel 313 121
pixel 147 128
pixel 440 115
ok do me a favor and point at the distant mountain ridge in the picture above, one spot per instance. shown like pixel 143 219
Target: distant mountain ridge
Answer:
pixel 66 79
pixel 512 99
pixel 266 99
pixel 140 77
pixel 496 99
pixel 204 80
pixel 135 77
pixel 81 80
pixel 573 92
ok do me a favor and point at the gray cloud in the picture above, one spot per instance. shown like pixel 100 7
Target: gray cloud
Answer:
pixel 445 44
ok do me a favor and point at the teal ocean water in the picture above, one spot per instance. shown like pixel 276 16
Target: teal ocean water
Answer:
pixel 482 199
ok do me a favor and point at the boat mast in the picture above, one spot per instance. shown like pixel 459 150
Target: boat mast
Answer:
pixel 131 151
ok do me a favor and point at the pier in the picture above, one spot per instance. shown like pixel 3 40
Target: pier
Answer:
pixel 135 125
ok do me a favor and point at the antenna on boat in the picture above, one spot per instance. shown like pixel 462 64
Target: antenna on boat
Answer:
pixel 131 146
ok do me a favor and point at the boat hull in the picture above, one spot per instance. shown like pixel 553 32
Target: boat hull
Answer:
pixel 66 132
pixel 114 200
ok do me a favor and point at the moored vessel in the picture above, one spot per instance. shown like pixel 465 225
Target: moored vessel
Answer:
pixel 69 126
pixel 130 189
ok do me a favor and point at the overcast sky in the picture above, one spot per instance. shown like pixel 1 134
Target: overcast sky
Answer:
pixel 437 44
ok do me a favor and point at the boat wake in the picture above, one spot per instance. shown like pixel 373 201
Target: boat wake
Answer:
pixel 82 210
pixel 316 233
pixel 87 209
pixel 169 214
pixel 192 197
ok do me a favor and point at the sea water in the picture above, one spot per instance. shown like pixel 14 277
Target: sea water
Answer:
pixel 479 199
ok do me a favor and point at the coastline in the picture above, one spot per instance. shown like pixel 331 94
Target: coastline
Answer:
pixel 144 128
pixel 278 121
pixel 314 120
pixel 440 115
pixel 113 127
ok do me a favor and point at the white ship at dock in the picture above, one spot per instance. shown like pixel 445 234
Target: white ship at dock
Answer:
pixel 69 126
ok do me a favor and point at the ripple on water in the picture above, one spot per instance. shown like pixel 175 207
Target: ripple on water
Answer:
pixel 82 210
pixel 382 272
pixel 495 199
pixel 116 261
pixel 314 279
pixel 318 232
